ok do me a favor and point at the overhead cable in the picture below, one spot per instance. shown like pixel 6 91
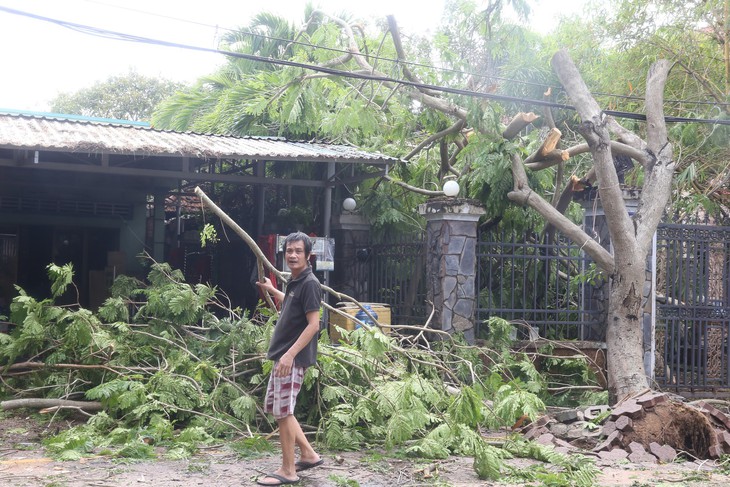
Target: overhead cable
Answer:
pixel 110 34
pixel 397 61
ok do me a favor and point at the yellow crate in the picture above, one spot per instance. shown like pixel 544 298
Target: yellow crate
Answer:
pixel 335 319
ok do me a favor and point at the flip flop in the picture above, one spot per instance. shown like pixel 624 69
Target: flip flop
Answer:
pixel 301 465
pixel 282 480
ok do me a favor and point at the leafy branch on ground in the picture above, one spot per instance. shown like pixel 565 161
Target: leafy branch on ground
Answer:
pixel 174 366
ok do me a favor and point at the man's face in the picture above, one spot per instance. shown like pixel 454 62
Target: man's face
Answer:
pixel 296 259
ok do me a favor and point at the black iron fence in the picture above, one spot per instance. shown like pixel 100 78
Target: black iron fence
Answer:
pixel 550 285
pixel 554 288
pixel 393 273
pixel 692 308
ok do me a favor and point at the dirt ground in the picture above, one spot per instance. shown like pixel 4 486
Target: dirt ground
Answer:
pixel 24 463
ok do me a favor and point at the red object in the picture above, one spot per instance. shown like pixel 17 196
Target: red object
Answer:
pixel 267 244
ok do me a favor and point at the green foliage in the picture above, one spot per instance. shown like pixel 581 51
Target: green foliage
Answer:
pixel 61 277
pixel 126 97
pixel 512 402
pixel 488 462
pixel 168 379
pixel 208 234
pixel 253 447
pixel 71 444
pixel 563 470
pixel 140 400
pixel 341 481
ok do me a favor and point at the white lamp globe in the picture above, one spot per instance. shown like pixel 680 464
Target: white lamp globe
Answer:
pixel 349 204
pixel 451 188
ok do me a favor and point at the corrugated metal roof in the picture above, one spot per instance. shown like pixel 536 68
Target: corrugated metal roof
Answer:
pixel 34 132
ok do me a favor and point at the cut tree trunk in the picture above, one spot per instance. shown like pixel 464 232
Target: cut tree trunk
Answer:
pixel 624 332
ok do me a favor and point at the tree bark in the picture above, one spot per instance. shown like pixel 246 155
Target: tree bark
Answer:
pixel 541 161
pixel 40 403
pixel 520 121
pixel 630 238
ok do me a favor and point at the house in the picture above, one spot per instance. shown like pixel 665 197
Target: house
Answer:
pixel 92 192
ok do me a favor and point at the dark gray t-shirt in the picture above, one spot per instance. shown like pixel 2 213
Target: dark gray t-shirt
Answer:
pixel 303 295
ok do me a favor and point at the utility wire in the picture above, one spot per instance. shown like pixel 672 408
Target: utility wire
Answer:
pixel 109 34
pixel 395 61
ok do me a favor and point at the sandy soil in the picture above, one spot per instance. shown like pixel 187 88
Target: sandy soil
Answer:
pixel 23 463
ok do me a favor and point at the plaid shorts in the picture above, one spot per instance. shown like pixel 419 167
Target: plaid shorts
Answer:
pixel 281 393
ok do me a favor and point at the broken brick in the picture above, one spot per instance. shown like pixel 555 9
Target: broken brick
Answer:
pixel 636 447
pixel 629 408
pixel 723 437
pixel 651 399
pixel 625 424
pixel 609 427
pixel 577 430
pixel 664 453
pixel 613 455
pixel 567 416
pixel 612 440
pixel 715 451
pixel 559 429
pixel 545 439
pixel 542 421
pixel 594 411
pixel 715 413
pixel 644 457
pixel 562 444
pixel 535 432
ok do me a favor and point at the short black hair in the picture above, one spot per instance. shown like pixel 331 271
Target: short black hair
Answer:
pixel 299 237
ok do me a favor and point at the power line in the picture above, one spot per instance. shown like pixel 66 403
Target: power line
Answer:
pixel 162 16
pixel 327 48
pixel 109 34
pixel 398 61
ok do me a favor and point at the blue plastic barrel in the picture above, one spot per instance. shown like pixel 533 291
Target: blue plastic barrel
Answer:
pixel 363 316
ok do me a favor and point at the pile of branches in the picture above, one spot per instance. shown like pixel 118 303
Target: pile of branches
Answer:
pixel 167 363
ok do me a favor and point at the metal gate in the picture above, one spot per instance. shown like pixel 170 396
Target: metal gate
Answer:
pixel 693 308
pixel 397 278
pixel 545 285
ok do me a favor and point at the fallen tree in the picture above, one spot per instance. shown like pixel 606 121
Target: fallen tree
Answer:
pixel 171 364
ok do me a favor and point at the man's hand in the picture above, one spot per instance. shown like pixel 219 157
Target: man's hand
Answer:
pixel 284 365
pixel 266 285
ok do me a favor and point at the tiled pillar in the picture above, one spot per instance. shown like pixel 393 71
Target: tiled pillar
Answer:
pixel 451 238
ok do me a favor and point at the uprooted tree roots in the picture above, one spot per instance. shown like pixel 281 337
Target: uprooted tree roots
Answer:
pixel 682 427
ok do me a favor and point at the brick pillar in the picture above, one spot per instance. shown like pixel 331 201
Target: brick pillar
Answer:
pixel 451 238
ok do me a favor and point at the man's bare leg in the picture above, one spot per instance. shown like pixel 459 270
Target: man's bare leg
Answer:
pixel 306 452
pixel 288 427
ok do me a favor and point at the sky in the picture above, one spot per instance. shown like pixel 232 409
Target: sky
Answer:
pixel 43 59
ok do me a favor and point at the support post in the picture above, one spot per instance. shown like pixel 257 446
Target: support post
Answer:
pixel 158 229
pixel 451 262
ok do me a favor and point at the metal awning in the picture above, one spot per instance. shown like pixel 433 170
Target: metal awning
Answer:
pixel 116 148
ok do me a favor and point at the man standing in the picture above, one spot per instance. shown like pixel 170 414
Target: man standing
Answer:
pixel 293 348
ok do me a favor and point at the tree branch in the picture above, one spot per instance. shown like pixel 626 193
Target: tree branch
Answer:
pixel 593 128
pixel 395 34
pixel 415 189
pixel 519 122
pixel 438 135
pixel 658 180
pixel 41 403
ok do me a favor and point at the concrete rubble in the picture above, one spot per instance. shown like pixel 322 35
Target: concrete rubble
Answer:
pixel 610 435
